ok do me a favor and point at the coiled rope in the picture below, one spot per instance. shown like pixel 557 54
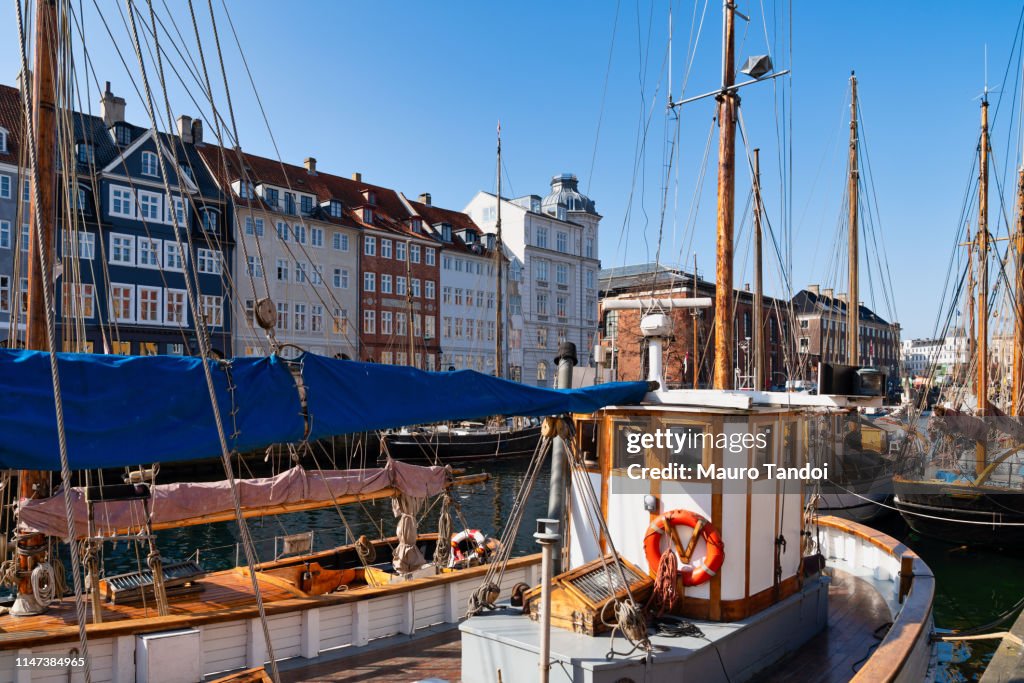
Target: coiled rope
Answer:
pixel 666 592
pixel 44 584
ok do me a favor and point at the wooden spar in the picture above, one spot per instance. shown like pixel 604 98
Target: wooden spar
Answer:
pixel 1018 307
pixel 265 511
pixel 981 446
pixel 408 303
pixel 758 280
pixel 728 102
pixel 35 484
pixel 499 257
pixel 970 331
pixel 853 255
pixel 696 343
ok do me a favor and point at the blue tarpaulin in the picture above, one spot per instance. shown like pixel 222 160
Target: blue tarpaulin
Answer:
pixel 127 410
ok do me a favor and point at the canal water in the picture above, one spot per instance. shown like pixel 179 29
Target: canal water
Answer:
pixel 974 585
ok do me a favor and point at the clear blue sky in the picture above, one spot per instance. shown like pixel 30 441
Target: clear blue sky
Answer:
pixel 409 94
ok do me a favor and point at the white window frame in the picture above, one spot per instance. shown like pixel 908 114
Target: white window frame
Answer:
pixel 173 258
pixel 157 252
pixel 176 293
pixel 113 312
pixel 155 201
pixel 150 164
pixel 129 241
pixel 126 198
pixel 159 320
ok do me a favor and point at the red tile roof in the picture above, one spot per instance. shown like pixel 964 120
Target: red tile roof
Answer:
pixel 11 119
pixel 433 215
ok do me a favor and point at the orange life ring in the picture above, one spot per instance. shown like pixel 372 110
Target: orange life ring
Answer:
pixel 699 571
pixel 469 544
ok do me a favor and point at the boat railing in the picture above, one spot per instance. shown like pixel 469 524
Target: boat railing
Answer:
pixel 884 558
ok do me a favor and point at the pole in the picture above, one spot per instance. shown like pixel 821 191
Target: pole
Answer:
pixel 547 536
pixel 970 331
pixel 728 102
pixel 558 493
pixel 1018 313
pixel 31 483
pixel 853 257
pixel 758 331
pixel 981 447
pixel 499 257
pixel 696 342
pixel 408 301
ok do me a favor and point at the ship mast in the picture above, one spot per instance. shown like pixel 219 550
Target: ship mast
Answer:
pixel 982 389
pixel 1018 306
pixel 728 103
pixel 758 330
pixel 970 331
pixel 499 257
pixel 853 256
pixel 31 483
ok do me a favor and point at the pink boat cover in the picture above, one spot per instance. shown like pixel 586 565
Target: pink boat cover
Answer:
pixel 183 501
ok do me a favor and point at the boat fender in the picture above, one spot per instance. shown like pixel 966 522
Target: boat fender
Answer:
pixel 695 572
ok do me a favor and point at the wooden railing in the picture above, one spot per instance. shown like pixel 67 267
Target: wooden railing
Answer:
pixel 905 648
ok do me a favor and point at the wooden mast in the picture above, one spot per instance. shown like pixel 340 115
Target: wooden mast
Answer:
pixel 970 331
pixel 853 256
pixel 1018 306
pixel 728 102
pixel 499 257
pixel 758 331
pixel 981 393
pixel 35 484
pixel 696 341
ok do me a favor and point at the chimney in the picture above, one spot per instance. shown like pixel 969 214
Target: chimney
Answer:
pixel 310 164
pixel 746 286
pixel 111 108
pixel 425 198
pixel 814 289
pixel 197 131
pixel 185 128
pixel 357 176
pixel 827 293
pixel 841 296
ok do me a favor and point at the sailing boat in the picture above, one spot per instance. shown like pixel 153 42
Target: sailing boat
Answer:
pixel 77 413
pixel 966 487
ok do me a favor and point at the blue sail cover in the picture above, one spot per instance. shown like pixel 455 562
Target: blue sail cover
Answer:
pixel 126 410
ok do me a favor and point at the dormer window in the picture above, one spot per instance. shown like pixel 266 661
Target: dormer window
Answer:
pixel 187 172
pixel 82 200
pixel 417 225
pixel 245 190
pixel 307 204
pixel 446 232
pixel 367 215
pixel 122 134
pixel 334 208
pixel 370 196
pixel 289 203
pixel 3 141
pixel 86 153
pixel 209 220
pixel 270 196
pixel 150 164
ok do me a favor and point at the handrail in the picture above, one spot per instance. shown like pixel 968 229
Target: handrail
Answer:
pixel 912 622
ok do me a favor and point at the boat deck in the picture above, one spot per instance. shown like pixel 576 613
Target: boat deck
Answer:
pixel 855 612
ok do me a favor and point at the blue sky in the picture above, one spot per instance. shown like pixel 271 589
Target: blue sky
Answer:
pixel 409 94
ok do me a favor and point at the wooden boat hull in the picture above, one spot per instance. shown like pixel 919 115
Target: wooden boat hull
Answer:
pixel 467 447
pixel 961 514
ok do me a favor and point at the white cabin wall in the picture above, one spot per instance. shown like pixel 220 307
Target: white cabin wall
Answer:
pixel 583 525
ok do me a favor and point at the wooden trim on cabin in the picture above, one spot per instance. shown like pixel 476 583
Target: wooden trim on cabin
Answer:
pixel 911 623
pixel 734 610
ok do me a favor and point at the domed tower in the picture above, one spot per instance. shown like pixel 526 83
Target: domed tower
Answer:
pixel 565 195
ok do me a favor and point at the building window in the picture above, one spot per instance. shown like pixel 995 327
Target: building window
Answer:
pixel 175 308
pixel 289 203
pixel 5 234
pixel 400 286
pixel 341 278
pixel 401 327
pixel 416 287
pixel 208 261
pixel 340 321
pixel 25 237
pixel 369 322
pixel 210 222
pixel 307 204
pixel 150 164
pixel 300 233
pixel 3 141
pixel 335 209
pixel 542 337
pixel 340 241
pixel 316 318
pixel 178 218
pixel 300 317
pixel 369 246
pixel 317 275
pixel 458 296
pixel 414 253
pixel 282 315
pixel 149 305
pixel 561 273
pixel 316 237
pixel 590 279
pixel 542 303
pixel 149 252
pixel 270 196
pixel 561 304
pixel 78 299
pixel 428 329
pixel 385 285
pixel 562 242
pixel 541 266
pixel 253 226
pixel 176 349
pixel 300 272
pixel 368 216
pixel 122 249
pixel 428 289
pixel 542 374
pixel 282 270
pixel 431 256
pixel 82 201
pixel 446 295
pixel 86 153
pixel 172 256
pixel 385 248
pixel 122 202
pixel 369 282
pixel 588 249
pixel 5 294
pixel 253 267
pixel 149 206
pixel 385 322
pixel 122 302
pixel 805 344
pixel 400 251
pixel 542 237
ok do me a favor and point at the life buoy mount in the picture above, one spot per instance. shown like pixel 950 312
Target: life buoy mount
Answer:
pixel 692 573
pixel 470 547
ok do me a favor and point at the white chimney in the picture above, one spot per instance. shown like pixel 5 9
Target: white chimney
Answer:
pixel 185 128
pixel 310 164
pixel 814 289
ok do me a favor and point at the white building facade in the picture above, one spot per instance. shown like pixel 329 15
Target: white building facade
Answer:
pixel 920 355
pixel 552 245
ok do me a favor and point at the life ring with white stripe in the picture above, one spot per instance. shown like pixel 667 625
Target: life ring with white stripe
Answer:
pixel 691 573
